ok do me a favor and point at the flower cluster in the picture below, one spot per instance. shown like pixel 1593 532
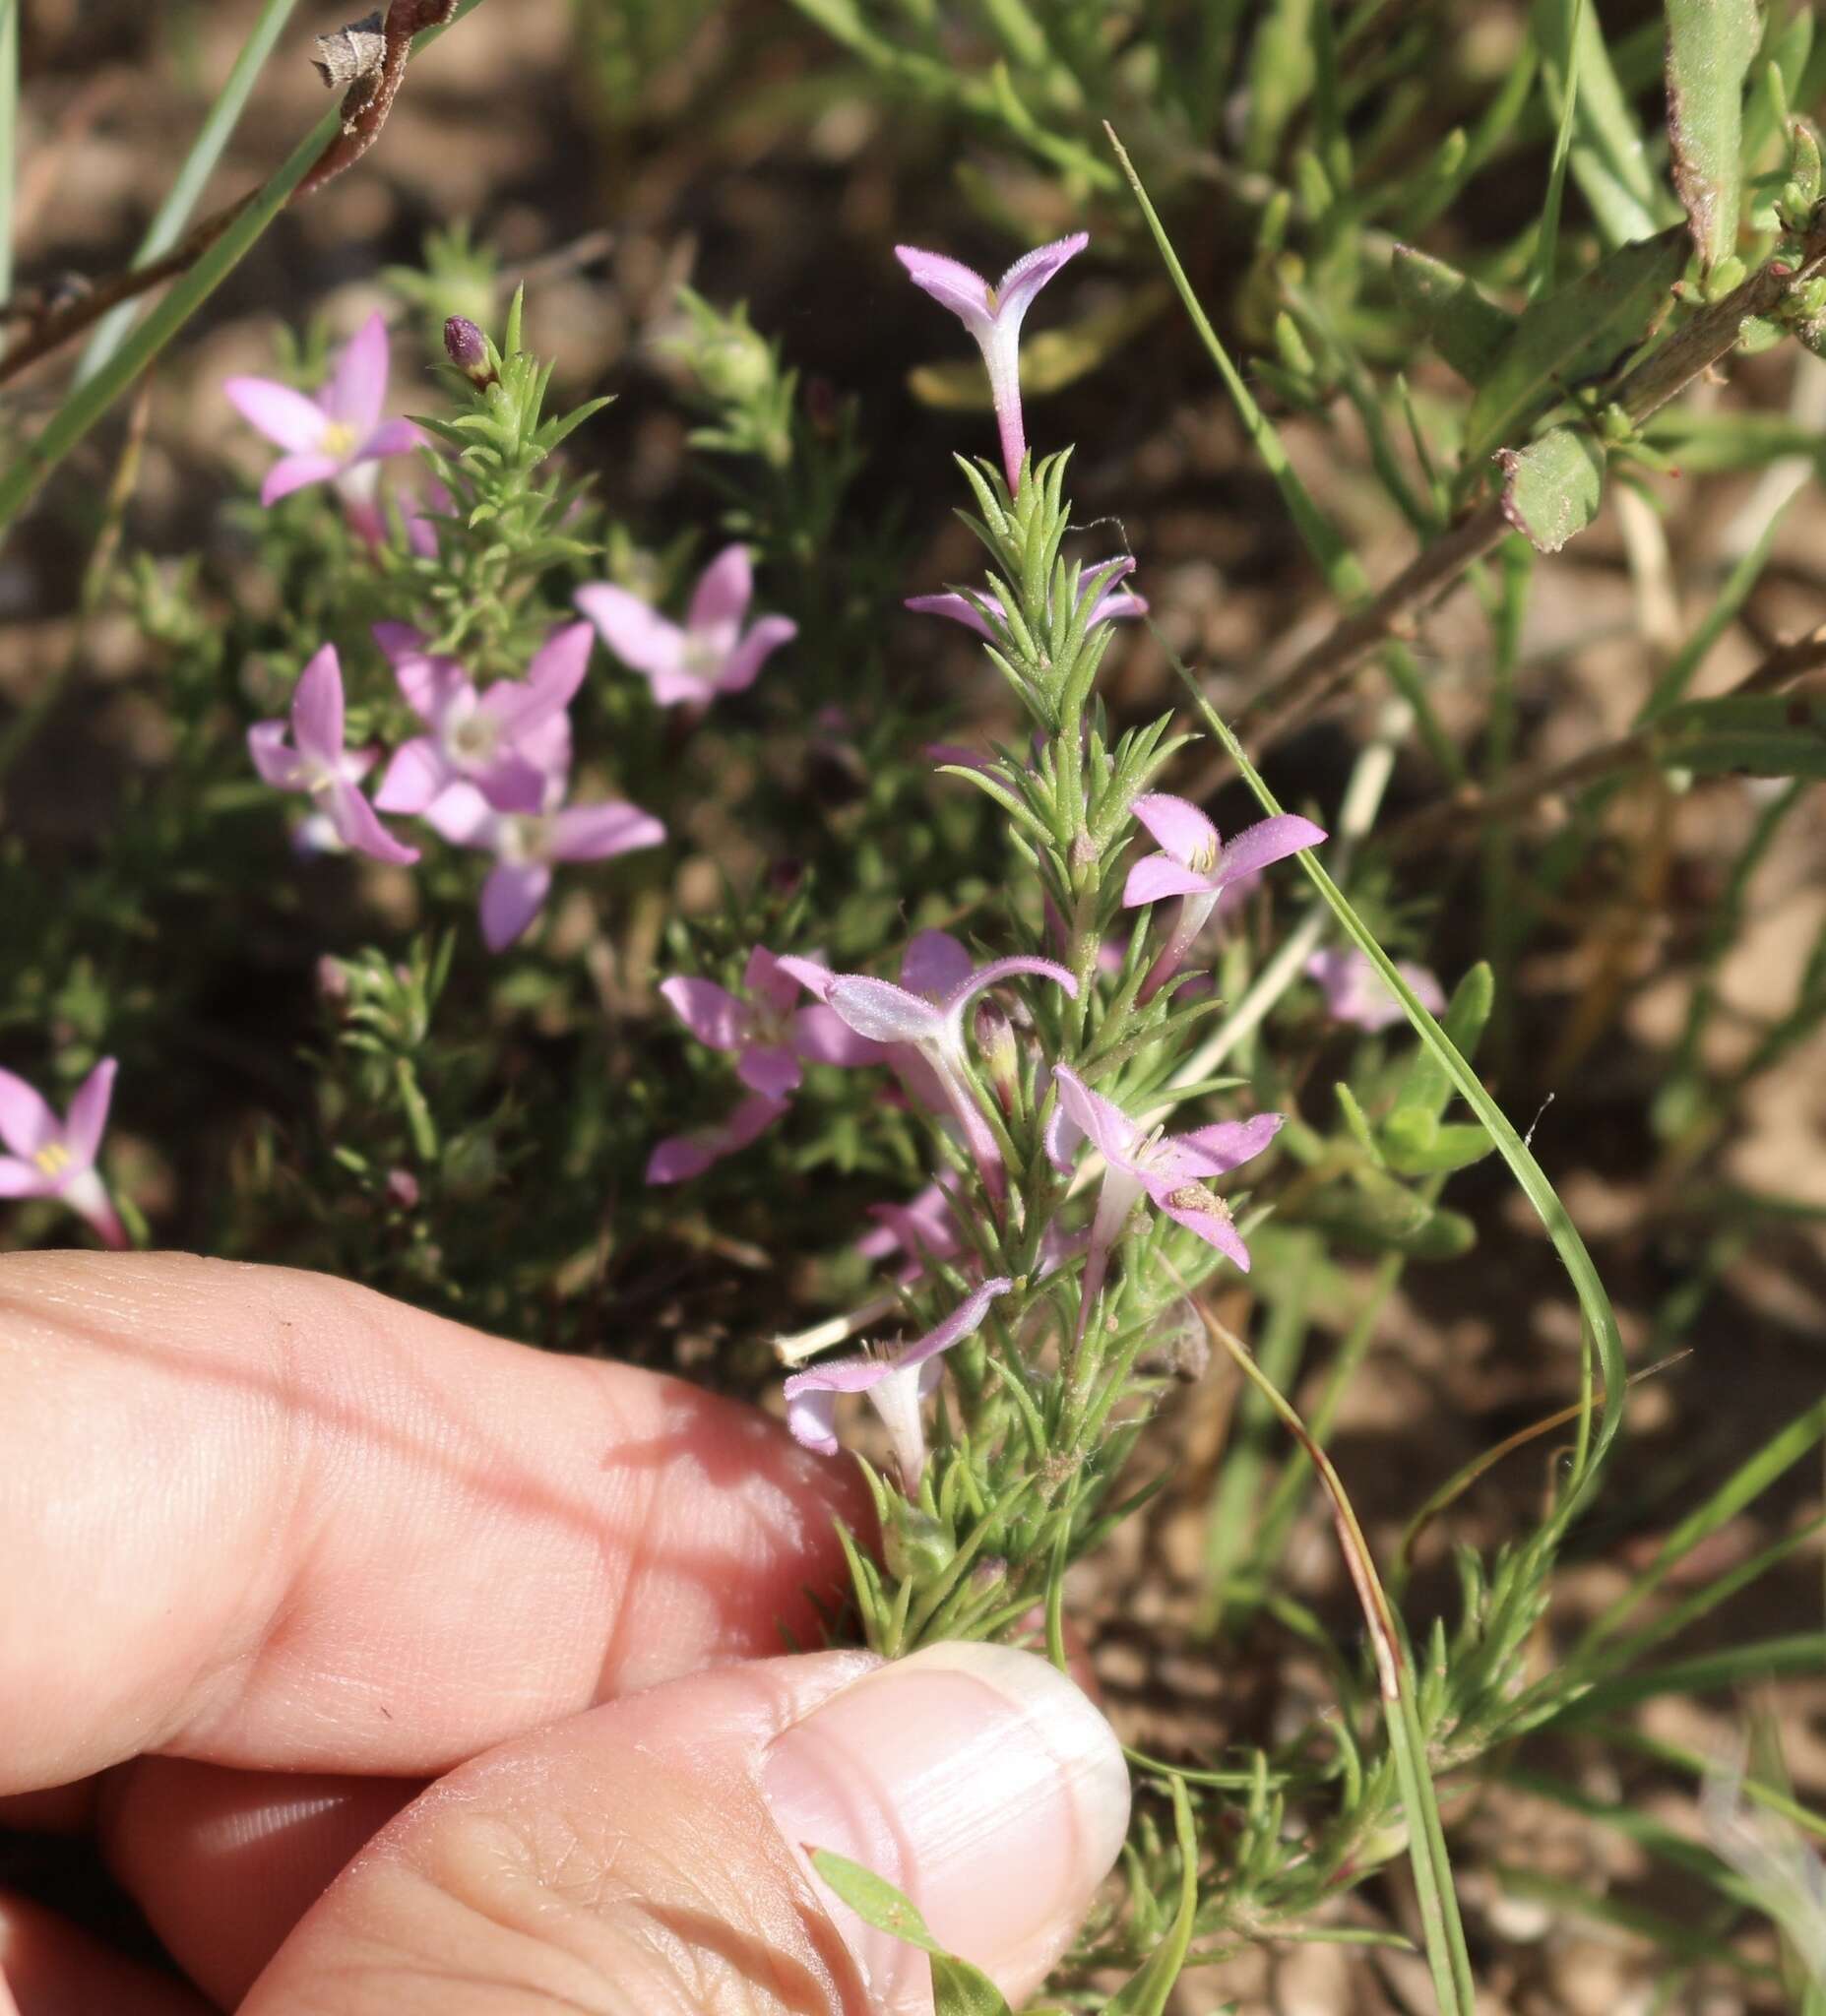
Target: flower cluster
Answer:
pixel 492 770
pixel 920 1026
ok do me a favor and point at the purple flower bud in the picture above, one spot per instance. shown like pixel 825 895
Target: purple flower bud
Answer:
pixel 403 1189
pixel 331 981
pixel 468 349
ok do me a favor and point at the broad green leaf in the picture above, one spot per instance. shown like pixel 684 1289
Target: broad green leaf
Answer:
pixel 1552 488
pixel 1416 1144
pixel 1427 1089
pixel 1573 335
pixel 1462 324
pixel 1759 734
pixel 1710 46
pixel 958 1987
pixel 1146 1993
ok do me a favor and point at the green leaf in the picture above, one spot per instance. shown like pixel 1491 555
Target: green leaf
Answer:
pixel 1610 163
pixel 1710 47
pixel 1145 1993
pixel 1573 335
pixel 959 1988
pixel 1427 1086
pixel 1759 734
pixel 168 223
pixel 1554 487
pixel 1416 1144
pixel 1462 324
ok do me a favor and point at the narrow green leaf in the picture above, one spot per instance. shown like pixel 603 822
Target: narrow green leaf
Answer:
pixel 1705 1672
pixel 1610 161
pixel 1710 46
pixel 959 1988
pixel 1554 487
pixel 1146 1993
pixel 1759 734
pixel 1462 324
pixel 1573 335
pixel 173 213
pixel 1594 1303
pixel 1426 1088
pixel 1546 239
pixel 87 403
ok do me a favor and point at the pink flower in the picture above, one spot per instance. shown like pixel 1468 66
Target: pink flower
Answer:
pixel 896 1383
pixel 1100 585
pixel 712 655
pixel 1356 993
pixel 509 742
pixel 993 316
pixel 922 1229
pixel 925 1013
pixel 1197 867
pixel 54 1158
pixel 680 1157
pixel 328 437
pixel 527 844
pixel 317 763
pixel 769 1032
pixel 1169 1170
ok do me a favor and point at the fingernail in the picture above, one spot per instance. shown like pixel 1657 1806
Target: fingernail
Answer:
pixel 977 1780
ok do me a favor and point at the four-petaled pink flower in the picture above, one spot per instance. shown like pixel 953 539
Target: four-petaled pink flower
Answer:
pixel 509 742
pixel 1196 867
pixel 993 316
pixel 711 654
pixel 1174 1171
pixel 1356 993
pixel 317 763
pixel 1100 585
pixel 896 1382
pixel 770 1034
pixel 54 1158
pixel 328 438
pixel 680 1157
pixel 925 1014
pixel 527 844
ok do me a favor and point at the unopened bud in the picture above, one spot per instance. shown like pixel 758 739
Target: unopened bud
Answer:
pixel 987 1576
pixel 332 981
pixel 996 1046
pixel 403 1189
pixel 468 349
pixel 916 1546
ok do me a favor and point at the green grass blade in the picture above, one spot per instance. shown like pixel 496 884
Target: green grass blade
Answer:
pixel 173 213
pixel 1705 1673
pixel 87 403
pixel 1594 1303
pixel 1546 239
pixel 1742 1487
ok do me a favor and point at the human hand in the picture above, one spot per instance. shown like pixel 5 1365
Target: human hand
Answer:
pixel 304 1588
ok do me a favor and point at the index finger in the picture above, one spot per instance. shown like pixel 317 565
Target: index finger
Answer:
pixel 270 1519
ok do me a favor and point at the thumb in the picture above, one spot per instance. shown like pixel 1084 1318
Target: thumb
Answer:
pixel 648 1858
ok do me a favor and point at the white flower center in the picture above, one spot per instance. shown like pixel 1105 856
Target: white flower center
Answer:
pixel 525 836
pixel 473 740
pixel 339 440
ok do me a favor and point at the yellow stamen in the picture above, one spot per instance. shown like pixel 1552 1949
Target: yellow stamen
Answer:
pixel 53 1159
